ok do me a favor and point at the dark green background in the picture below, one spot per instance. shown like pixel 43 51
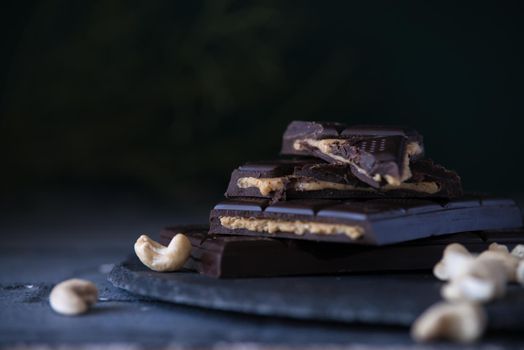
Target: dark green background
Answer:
pixel 167 97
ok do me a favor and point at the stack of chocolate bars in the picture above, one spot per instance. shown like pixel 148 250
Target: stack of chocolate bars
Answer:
pixel 344 199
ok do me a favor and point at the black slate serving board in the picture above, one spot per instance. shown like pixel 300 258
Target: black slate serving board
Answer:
pixel 381 299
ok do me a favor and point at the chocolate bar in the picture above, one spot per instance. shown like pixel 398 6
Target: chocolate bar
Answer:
pixel 372 221
pixel 377 155
pixel 243 256
pixel 309 178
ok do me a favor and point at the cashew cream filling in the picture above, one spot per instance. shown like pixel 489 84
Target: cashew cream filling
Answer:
pixel 296 227
pixel 268 185
pixel 264 185
pixel 326 146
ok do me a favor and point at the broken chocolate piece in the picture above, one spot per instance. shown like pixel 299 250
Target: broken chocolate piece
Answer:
pixel 307 178
pixel 377 155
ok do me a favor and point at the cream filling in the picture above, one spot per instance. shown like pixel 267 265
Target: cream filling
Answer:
pixel 317 185
pixel 296 227
pixel 428 187
pixel 268 185
pixel 326 146
pixel 264 185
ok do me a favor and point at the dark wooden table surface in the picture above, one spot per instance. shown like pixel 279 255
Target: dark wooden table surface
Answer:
pixel 53 238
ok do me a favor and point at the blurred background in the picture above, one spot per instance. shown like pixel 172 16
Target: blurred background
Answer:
pixel 160 100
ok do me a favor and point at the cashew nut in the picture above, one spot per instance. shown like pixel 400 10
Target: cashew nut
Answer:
pixel 476 278
pixel 483 281
pixel 160 258
pixel 498 247
pixel 471 279
pixel 73 297
pixel 518 251
pixel 507 260
pixel 456 260
pixel 520 272
pixel 461 322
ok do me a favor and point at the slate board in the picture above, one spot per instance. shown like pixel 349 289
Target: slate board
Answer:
pixel 375 299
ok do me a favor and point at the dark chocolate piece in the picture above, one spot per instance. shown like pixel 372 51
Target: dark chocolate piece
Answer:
pixel 295 178
pixel 243 256
pixel 377 155
pixel 372 221
pixel 297 130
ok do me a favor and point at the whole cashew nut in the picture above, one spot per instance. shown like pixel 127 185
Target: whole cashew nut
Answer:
pixel 520 272
pixel 456 260
pixel 73 297
pixel 160 258
pixel 460 322
pixel 518 251
pixel 509 261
